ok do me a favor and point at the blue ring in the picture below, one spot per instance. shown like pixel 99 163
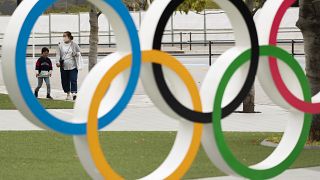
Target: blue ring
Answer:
pixel 25 89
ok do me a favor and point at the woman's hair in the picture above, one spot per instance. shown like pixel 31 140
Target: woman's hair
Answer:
pixel 68 33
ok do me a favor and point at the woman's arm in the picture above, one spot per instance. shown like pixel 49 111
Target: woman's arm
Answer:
pixel 76 49
pixel 78 58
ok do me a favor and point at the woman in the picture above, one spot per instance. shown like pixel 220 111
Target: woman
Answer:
pixel 68 53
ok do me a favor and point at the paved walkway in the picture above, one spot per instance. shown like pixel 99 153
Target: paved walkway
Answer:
pixel 142 115
pixel 147 117
pixel 292 174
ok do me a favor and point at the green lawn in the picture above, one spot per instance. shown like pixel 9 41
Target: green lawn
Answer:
pixel 6 103
pixel 47 155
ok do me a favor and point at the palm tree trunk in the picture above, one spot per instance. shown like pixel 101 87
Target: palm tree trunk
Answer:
pixel 250 4
pixel 18 2
pixel 94 38
pixel 309 24
pixel 248 103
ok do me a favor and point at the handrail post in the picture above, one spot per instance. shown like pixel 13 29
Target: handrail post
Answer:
pixel 50 35
pixel 79 28
pixel 190 39
pixel 210 53
pixel 180 40
pixel 172 31
pixel 292 48
pixel 109 34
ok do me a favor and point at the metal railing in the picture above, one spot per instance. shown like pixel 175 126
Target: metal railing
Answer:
pixel 188 36
pixel 189 45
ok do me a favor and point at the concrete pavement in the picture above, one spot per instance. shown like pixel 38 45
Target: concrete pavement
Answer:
pixel 292 174
pixel 142 115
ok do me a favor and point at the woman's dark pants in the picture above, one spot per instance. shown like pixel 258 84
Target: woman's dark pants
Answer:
pixel 69 80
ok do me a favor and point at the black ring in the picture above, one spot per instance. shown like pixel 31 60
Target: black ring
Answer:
pixel 166 94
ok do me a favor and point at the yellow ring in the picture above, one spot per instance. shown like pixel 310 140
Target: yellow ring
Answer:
pixel 151 56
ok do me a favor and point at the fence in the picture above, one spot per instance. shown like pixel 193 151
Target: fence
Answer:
pixel 49 28
pixel 182 45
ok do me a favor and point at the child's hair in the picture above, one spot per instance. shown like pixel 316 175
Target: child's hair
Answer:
pixel 44 49
pixel 68 33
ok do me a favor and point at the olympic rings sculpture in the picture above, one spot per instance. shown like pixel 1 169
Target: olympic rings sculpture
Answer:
pixel 170 86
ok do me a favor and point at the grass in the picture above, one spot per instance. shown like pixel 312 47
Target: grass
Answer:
pixel 6 103
pixel 47 155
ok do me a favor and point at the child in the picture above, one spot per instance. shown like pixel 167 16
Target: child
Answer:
pixel 44 71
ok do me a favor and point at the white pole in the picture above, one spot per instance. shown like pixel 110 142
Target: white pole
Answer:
pixel 109 33
pixel 33 47
pixel 205 26
pixel 172 30
pixel 79 27
pixel 140 18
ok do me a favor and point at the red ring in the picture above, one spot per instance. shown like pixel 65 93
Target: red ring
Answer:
pixel 313 108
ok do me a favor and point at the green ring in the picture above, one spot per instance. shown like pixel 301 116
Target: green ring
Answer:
pixel 223 148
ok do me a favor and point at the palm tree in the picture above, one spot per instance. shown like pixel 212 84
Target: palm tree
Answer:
pixel 94 36
pixel 309 24
pixel 248 103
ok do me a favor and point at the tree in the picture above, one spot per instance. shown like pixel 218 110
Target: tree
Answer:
pixel 309 24
pixel 250 4
pixel 137 4
pixel 192 5
pixel 94 36
pixel 248 102
pixel 7 7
